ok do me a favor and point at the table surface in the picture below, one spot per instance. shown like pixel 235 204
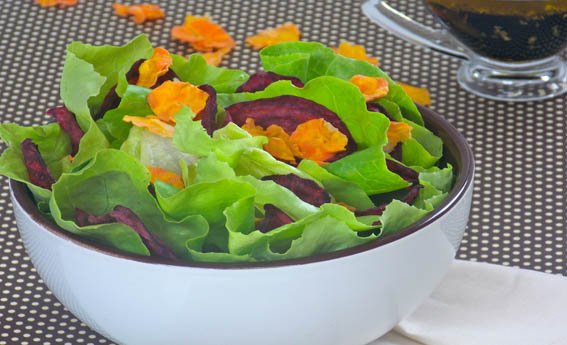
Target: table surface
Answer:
pixel 518 214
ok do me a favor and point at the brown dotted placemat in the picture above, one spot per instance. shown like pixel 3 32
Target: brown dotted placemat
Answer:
pixel 518 215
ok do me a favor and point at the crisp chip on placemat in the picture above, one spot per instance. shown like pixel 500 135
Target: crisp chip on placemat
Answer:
pixel 203 34
pixel 51 3
pixel 140 13
pixel 287 32
pixel 355 51
pixel 419 95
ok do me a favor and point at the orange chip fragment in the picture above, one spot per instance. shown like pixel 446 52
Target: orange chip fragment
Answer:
pixel 397 132
pixel 51 3
pixel 318 140
pixel 163 175
pixel 355 51
pixel 250 127
pixel 419 95
pixel 279 144
pixel 168 98
pixel 140 13
pixel 152 124
pixel 371 87
pixel 287 32
pixel 215 58
pixel 154 67
pixel 202 34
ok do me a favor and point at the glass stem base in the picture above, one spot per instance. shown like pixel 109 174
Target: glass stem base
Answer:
pixel 524 82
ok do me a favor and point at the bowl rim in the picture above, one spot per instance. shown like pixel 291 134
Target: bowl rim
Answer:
pixel 464 180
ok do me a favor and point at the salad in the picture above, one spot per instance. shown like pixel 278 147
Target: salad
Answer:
pixel 154 154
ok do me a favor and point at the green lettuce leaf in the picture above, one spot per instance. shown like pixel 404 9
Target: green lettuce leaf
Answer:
pixel 423 149
pixel 153 150
pixel 392 108
pixel 259 163
pixel 111 62
pixel 231 145
pixel 309 60
pixel 208 169
pixel 79 83
pixel 196 71
pixel 399 215
pixel 269 192
pixel 208 199
pixel 134 103
pixel 53 144
pixel 341 189
pixel 190 136
pixel 331 228
pixel 368 170
pixel 429 197
pixel 440 178
pixel 115 178
pixel 414 154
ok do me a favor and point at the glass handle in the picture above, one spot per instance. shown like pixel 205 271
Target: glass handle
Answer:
pixel 403 26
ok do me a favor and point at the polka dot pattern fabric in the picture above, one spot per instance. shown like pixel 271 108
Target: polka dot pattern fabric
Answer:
pixel 519 212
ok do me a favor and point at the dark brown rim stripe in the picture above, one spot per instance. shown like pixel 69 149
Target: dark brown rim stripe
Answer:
pixel 457 150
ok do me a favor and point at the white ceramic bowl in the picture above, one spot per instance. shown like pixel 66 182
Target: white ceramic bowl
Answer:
pixel 350 297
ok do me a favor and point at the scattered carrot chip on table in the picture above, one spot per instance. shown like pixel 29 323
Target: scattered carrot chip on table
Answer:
pixel 355 51
pixel 419 95
pixel 203 34
pixel 51 3
pixel 141 13
pixel 288 32
pixel 215 58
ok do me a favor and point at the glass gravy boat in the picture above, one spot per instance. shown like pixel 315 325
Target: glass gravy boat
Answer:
pixel 511 48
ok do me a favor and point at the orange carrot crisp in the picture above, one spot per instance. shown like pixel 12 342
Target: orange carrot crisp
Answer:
pixel 202 34
pixel 419 95
pixel 152 124
pixel 168 98
pixel 397 132
pixel 279 144
pixel 287 32
pixel 51 3
pixel 215 58
pixel 355 51
pixel 371 87
pixel 154 67
pixel 140 13
pixel 318 140
pixel 166 176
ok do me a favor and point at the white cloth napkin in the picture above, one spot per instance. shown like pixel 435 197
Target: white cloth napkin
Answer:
pixel 485 304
